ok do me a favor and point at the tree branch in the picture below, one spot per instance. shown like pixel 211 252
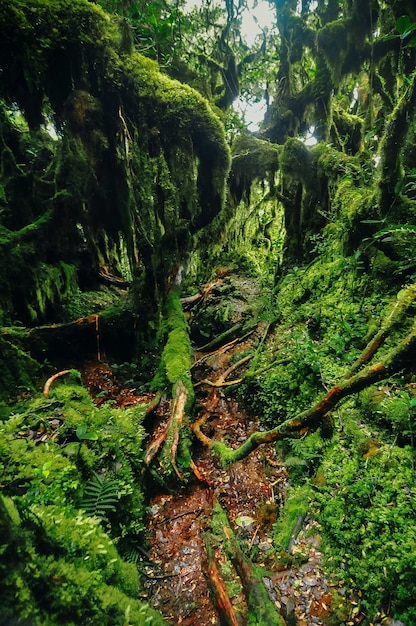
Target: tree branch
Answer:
pixel 311 418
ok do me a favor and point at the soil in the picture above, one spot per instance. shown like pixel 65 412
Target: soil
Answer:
pixel 175 572
pixel 251 492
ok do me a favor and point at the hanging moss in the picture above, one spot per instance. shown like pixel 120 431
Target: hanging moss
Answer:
pixel 137 165
pixel 333 42
pixel 252 159
pixel 348 131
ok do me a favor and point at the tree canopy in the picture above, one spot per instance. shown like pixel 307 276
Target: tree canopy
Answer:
pixel 198 265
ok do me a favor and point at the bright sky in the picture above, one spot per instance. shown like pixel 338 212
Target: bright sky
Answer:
pixel 263 13
pixel 260 17
pixel 253 22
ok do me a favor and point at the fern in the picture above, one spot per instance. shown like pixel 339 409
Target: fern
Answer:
pixel 100 496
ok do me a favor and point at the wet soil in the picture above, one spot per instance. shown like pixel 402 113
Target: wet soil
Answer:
pixel 251 492
pixel 174 573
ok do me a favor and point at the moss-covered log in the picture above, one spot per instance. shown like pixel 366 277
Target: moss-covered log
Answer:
pixel 261 609
pixel 312 418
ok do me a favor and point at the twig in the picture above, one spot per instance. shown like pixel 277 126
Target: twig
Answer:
pixel 52 380
pixel 197 512
pixel 220 382
pixel 211 383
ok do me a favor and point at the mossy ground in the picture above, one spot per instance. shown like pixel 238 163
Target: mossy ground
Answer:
pixel 61 566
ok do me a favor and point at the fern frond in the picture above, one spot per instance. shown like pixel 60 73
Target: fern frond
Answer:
pixel 100 496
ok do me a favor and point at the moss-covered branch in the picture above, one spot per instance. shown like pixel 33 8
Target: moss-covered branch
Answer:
pixel 405 299
pixel 312 418
pixel 261 610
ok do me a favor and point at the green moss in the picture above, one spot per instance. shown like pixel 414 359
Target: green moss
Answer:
pixel 46 537
pixel 295 159
pixel 252 159
pixel 176 357
pixel 122 189
pixel 18 369
pixel 355 202
pixel 348 131
pixel 295 509
pixel 365 514
pixel 333 42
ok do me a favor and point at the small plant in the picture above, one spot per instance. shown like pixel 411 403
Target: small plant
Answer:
pixel 100 497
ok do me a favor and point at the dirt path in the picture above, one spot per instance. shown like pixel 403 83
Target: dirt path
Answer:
pixel 174 573
pixel 251 492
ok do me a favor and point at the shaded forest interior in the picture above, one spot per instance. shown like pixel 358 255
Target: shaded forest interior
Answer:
pixel 207 346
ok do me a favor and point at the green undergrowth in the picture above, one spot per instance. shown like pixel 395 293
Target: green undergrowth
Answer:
pixel 365 503
pixel 324 314
pixel 355 476
pixel 71 506
pixel 175 363
pixel 294 512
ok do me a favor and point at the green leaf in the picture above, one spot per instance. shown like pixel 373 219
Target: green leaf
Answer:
pixel 100 496
pixel 404 26
pixel 82 433
pixel 244 521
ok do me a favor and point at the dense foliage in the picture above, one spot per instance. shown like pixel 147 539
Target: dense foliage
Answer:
pixel 125 176
pixel 72 501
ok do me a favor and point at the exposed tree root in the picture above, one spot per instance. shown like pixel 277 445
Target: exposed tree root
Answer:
pixel 171 431
pixel 196 429
pixel 221 382
pixel 261 608
pixel 154 447
pixel 313 417
pixel 52 379
pixel 178 414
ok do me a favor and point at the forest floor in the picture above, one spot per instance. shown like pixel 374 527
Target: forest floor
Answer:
pixel 175 573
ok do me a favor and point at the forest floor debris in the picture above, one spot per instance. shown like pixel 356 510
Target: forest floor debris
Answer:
pixel 252 491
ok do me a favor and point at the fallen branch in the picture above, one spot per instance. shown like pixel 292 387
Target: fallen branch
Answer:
pixel 406 299
pixel 261 608
pixel 79 322
pixel 220 382
pixel 312 418
pixel 191 299
pixel 52 379
pixel 206 381
pixel 219 592
pixel 220 338
pixel 219 351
